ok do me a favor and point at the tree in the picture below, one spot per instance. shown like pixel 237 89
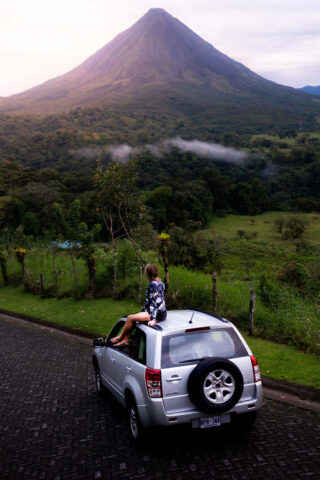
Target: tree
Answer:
pixel 14 212
pixel 132 211
pixel 159 201
pixel 86 238
pixel 3 265
pixel 31 224
pixel 122 207
pixel 108 191
pixel 163 242
pixel 82 245
pixel 21 254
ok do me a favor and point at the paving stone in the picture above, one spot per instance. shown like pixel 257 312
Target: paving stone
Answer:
pixel 53 426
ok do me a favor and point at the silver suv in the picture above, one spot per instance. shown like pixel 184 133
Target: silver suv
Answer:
pixel 193 368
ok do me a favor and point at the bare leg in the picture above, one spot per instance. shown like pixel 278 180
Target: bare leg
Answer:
pixel 123 338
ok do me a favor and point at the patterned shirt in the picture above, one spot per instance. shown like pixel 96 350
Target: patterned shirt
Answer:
pixel 155 301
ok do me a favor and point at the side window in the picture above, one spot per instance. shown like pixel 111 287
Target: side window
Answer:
pixel 142 352
pixel 132 349
pixel 117 329
pixel 137 346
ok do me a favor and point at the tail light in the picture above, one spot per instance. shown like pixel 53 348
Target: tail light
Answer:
pixel 153 383
pixel 255 368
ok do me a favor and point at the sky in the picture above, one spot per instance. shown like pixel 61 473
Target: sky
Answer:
pixel 41 39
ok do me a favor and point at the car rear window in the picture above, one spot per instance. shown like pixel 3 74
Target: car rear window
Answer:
pixel 191 347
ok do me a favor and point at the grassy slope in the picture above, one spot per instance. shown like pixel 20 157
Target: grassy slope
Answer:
pixel 268 252
pixel 229 225
pixel 277 361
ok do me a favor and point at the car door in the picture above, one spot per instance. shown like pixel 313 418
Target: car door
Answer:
pixel 109 360
pixel 124 358
pixel 117 362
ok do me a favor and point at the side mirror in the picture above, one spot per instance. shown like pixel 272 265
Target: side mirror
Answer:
pixel 99 342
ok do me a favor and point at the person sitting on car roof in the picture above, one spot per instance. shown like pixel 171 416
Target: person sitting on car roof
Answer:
pixel 153 311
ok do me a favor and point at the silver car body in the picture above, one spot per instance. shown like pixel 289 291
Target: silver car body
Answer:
pixel 122 375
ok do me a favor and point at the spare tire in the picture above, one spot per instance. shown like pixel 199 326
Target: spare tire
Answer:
pixel 215 385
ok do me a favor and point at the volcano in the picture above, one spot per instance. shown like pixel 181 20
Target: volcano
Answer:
pixel 159 64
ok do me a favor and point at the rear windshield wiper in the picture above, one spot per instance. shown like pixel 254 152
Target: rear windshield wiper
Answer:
pixel 192 360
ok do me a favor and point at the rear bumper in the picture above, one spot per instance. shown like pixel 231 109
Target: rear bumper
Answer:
pixel 153 413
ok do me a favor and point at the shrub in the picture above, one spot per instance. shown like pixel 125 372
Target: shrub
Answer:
pixel 294 274
pixel 268 292
pixel 304 248
pixel 306 281
pixel 196 250
pixel 295 227
pixel 250 235
pixel 279 224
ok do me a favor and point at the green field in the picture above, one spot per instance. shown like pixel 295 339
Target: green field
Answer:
pixel 277 361
pixel 263 224
pixel 267 253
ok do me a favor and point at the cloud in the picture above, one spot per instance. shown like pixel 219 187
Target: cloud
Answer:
pixel 208 150
pixel 123 152
pixel 221 154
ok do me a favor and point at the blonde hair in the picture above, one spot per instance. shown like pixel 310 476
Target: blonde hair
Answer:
pixel 151 271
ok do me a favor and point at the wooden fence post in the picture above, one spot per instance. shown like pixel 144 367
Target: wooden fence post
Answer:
pixel 163 242
pixel 42 283
pixel 4 268
pixel 214 292
pixel 251 310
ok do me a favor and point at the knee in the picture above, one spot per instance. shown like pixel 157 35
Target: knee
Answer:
pixel 130 319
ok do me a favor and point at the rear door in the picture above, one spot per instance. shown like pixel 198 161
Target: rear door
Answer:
pixel 175 371
pixel 182 352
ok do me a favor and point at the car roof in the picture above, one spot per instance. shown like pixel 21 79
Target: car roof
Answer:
pixel 182 319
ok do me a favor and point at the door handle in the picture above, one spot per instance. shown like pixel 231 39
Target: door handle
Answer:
pixel 129 369
pixel 174 379
pixel 113 360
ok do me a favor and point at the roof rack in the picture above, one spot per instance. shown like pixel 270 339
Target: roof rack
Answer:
pixel 210 313
pixel 157 327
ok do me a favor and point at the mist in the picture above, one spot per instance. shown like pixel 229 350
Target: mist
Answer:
pixel 208 150
pixel 122 152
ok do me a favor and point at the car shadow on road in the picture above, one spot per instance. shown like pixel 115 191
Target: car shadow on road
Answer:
pixel 174 438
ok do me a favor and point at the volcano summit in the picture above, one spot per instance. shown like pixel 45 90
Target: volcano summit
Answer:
pixel 159 65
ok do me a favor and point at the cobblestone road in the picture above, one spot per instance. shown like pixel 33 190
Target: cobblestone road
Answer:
pixel 53 426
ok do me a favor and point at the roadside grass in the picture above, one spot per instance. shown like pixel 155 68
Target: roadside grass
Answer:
pixel 277 361
pixel 97 316
pixel 285 363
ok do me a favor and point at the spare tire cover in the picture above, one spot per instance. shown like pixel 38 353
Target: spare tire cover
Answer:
pixel 215 385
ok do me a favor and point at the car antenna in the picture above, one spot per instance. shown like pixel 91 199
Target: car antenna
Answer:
pixel 190 321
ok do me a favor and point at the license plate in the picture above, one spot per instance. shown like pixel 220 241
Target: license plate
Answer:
pixel 208 422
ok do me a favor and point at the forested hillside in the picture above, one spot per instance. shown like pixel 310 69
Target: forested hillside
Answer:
pixel 278 174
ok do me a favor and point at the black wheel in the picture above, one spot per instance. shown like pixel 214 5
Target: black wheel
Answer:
pixel 99 385
pixel 137 431
pixel 215 385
